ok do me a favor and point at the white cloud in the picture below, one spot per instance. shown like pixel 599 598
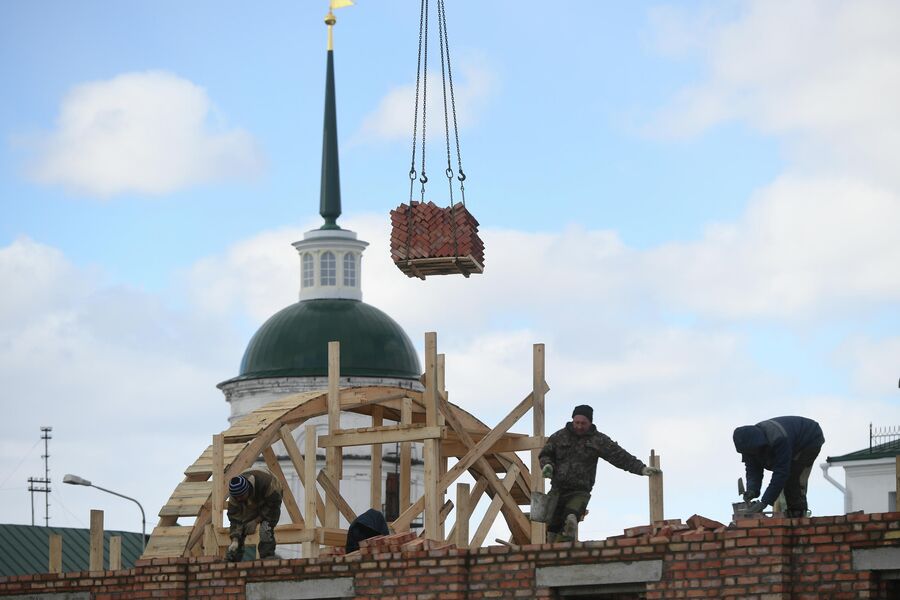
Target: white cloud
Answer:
pixel 474 84
pixel 804 247
pixel 147 133
pixel 874 363
pixel 822 75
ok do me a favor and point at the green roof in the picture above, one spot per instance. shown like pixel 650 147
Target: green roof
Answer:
pixel 26 549
pixel 886 450
pixel 294 343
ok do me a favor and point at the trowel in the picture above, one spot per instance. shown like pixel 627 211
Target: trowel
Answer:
pixel 742 509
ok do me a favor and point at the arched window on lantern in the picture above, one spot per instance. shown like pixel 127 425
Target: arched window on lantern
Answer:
pixel 349 269
pixel 327 269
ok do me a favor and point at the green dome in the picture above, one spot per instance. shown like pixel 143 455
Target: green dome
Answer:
pixel 294 343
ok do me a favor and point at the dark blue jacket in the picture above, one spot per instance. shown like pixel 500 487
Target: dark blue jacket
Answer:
pixel 772 444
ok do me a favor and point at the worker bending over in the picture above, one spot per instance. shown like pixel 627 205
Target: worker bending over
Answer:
pixel 569 460
pixel 787 446
pixel 254 497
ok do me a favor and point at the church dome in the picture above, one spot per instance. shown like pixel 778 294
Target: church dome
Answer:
pixel 294 343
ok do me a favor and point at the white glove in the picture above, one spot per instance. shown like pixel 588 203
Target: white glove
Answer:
pixel 233 546
pixel 648 471
pixel 547 471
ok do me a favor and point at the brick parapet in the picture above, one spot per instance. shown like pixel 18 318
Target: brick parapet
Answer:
pixel 792 559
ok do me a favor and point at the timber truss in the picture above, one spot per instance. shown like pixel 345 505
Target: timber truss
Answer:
pixel 454 442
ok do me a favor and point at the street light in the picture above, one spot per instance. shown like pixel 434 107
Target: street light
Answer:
pixel 76 480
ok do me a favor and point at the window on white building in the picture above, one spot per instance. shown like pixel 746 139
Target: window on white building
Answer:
pixel 307 276
pixel 328 269
pixel 349 270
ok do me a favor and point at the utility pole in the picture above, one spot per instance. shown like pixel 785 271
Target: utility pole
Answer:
pixel 42 485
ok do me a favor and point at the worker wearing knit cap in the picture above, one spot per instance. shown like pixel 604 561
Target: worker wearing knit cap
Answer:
pixel 569 460
pixel 254 497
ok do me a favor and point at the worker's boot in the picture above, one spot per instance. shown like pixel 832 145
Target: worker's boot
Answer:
pixel 570 530
pixel 266 546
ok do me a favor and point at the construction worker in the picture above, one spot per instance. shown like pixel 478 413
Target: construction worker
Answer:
pixel 787 446
pixel 254 497
pixel 569 460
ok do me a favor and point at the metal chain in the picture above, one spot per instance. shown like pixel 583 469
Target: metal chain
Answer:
pixel 412 162
pixel 462 175
pixel 424 178
pixel 441 38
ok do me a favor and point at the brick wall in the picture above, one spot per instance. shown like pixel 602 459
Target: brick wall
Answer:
pixel 791 559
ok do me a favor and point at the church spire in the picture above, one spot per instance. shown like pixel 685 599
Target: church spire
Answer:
pixel 330 191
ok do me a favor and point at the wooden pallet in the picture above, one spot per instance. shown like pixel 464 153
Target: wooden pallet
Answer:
pixel 448 265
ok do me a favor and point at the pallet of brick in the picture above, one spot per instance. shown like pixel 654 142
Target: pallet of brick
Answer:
pixel 427 239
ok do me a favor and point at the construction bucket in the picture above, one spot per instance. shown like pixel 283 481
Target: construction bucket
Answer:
pixel 543 506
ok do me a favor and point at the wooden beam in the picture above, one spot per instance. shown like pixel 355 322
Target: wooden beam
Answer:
pixel 519 524
pixel 375 474
pixel 218 479
pixel 210 540
pixel 474 497
pixel 656 490
pixel 333 494
pixel 96 552
pixel 452 446
pixel 55 558
pixel 364 436
pixel 442 462
pixel 290 444
pixel 310 549
pixel 538 530
pixel 487 521
pixel 115 552
pixel 333 455
pixel 463 511
pixel 405 457
pixel 287 494
pixel 431 455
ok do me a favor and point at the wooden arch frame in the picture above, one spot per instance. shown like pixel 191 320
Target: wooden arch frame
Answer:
pixel 445 430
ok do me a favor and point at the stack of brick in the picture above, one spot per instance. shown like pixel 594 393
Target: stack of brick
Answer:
pixel 434 232
pixel 663 531
pixel 406 541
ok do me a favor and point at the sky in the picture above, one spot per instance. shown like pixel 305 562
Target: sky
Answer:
pixel 694 206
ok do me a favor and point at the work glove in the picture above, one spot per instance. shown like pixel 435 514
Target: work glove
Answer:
pixel 750 495
pixel 231 553
pixel 547 471
pixel 757 507
pixel 648 471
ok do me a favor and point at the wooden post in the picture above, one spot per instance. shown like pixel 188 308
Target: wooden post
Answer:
pixel 538 530
pixel 897 488
pixel 463 511
pixel 431 458
pixel 210 541
pixel 405 456
pixel 375 489
pixel 441 459
pixel 96 554
pixel 218 478
pixel 656 490
pixel 115 552
pixel 55 561
pixel 310 549
pixel 334 454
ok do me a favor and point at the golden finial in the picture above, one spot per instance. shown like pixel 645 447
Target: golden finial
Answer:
pixel 330 20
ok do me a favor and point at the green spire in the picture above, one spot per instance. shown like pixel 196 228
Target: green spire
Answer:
pixel 330 194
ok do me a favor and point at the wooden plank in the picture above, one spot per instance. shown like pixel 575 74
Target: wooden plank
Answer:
pixel 167 542
pixel 55 554
pixel 431 455
pixel 210 540
pixel 405 458
pixel 290 444
pixel 115 552
pixel 463 511
pixel 474 497
pixel 203 466
pixel 187 499
pixel 287 494
pixel 218 479
pixel 333 494
pixel 333 455
pixel 388 434
pixel 454 447
pixel 375 491
pixel 96 549
pixel 310 549
pixel 538 530
pixel 487 521
pixel 441 456
pixel 656 490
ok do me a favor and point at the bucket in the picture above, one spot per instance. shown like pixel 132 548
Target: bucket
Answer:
pixel 543 506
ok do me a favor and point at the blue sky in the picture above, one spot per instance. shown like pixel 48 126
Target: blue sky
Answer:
pixel 694 205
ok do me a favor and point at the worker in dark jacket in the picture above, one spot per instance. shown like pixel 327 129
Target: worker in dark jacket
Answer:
pixel 569 460
pixel 254 497
pixel 787 446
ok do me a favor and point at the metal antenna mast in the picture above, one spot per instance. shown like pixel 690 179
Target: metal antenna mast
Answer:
pixel 43 486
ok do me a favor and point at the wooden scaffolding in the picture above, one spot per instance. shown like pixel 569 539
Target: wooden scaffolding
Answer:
pixel 445 430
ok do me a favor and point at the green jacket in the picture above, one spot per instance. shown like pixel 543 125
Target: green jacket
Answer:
pixel 263 504
pixel 574 458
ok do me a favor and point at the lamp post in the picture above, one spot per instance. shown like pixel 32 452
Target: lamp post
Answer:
pixel 76 480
